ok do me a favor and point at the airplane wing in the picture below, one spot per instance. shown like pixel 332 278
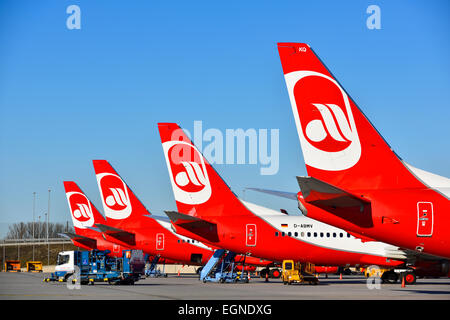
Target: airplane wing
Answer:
pixel 119 234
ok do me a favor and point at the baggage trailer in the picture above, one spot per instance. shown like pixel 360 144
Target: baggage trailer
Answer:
pixel 89 267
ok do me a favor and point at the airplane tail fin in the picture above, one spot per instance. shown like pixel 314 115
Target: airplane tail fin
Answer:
pixel 84 213
pixel 120 204
pixel 340 146
pixel 198 189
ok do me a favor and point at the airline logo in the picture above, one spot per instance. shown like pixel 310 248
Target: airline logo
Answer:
pixel 114 192
pixel 324 120
pixel 80 207
pixel 187 172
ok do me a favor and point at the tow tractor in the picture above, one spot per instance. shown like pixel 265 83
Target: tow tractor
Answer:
pixel 95 265
pixel 392 275
pixel 293 272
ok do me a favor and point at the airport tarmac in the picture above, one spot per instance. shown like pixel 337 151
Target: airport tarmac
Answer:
pixel 29 286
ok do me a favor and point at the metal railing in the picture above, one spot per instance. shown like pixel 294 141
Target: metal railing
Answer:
pixel 30 242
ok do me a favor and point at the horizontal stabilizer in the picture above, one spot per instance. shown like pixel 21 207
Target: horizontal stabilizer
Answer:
pixel 181 217
pixel 336 201
pixel 322 194
pixel 283 194
pixel 75 236
pixel 119 234
pixel 89 242
pixel 67 235
pixel 194 225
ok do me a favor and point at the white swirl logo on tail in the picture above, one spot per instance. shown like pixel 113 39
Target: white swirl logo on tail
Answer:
pixel 193 174
pixel 339 130
pixel 114 192
pixel 82 211
pixel 187 170
pixel 80 207
pixel 118 197
pixel 327 129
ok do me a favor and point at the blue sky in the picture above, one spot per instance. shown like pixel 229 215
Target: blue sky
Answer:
pixel 70 96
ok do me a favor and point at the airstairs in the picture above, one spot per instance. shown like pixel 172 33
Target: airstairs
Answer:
pixel 220 268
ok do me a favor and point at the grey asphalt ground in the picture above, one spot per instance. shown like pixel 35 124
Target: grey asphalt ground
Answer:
pixel 29 286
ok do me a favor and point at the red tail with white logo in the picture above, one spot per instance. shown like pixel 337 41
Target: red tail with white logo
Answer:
pixel 121 206
pixel 355 177
pixel 85 216
pixel 198 189
pixel 84 213
pixel 340 146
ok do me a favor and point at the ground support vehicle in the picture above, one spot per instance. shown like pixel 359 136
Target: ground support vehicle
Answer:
pixel 406 275
pixel 12 266
pixel 151 269
pixel 34 266
pixel 88 267
pixel 222 268
pixel 293 272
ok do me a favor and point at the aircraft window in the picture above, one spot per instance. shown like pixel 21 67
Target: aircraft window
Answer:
pixel 334 234
pixel 315 234
pixel 309 234
pixel 348 235
pixel 321 234
pixel 302 234
pixel 282 234
pixel 341 234
pixel 328 234
pixel 289 234
pixel 296 234
pixel 178 240
pixel 276 234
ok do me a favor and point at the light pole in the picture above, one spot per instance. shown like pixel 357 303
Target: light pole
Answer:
pixel 48 218
pixel 46 232
pixel 39 227
pixel 34 210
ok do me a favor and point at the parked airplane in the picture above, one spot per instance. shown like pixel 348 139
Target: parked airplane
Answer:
pixel 130 223
pixel 356 181
pixel 209 211
pixel 84 215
